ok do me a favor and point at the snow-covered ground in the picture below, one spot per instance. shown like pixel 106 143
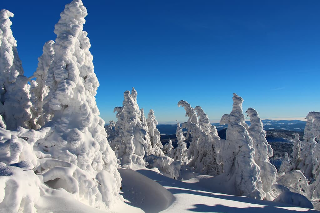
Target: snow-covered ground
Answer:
pixel 189 196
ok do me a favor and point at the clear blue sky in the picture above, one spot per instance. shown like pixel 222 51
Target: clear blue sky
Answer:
pixel 201 51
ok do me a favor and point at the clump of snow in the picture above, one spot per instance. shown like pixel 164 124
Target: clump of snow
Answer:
pixel 166 165
pixel 144 193
pixel 294 199
pixel 20 189
pixel 296 182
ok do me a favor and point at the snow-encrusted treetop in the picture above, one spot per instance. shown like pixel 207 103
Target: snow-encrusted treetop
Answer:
pixel 14 89
pixel 10 62
pixel 312 129
pixel 204 122
pixel 190 112
pixel 71 21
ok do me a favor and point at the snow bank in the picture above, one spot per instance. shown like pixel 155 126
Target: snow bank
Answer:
pixel 143 192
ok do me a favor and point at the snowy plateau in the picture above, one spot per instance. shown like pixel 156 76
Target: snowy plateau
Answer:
pixel 57 155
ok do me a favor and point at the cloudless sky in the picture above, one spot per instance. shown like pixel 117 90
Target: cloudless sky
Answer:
pixel 201 51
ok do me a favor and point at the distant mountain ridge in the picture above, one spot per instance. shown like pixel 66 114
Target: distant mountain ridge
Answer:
pixel 289 125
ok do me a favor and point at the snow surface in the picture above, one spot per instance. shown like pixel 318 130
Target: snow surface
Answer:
pixel 192 196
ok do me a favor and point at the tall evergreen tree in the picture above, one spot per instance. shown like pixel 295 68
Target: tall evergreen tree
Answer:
pixel 262 150
pixel 132 137
pixel 77 134
pixel 237 153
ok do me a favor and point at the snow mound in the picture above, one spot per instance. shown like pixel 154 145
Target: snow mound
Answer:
pixel 144 193
pixel 294 199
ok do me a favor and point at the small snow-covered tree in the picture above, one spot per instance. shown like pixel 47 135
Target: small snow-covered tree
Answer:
pixel 206 160
pixel 144 126
pixel 192 126
pixel 202 150
pixel 262 150
pixel 77 135
pixel 132 137
pixel 154 134
pixel 181 152
pixel 39 89
pixel 310 154
pixel 285 164
pixel 14 89
pixel 168 149
pixel 237 153
pixel 296 153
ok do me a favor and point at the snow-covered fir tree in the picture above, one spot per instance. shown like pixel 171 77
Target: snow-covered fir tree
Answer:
pixel 145 133
pixel 154 134
pixel 237 154
pixel 168 149
pixel 296 153
pixel 39 89
pixel 310 154
pixel 181 151
pixel 285 164
pixel 132 139
pixel 202 151
pixel 14 89
pixel 192 126
pixel 262 150
pixel 206 159
pixel 77 135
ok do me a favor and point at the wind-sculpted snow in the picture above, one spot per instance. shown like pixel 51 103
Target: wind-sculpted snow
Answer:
pixel 14 89
pixel 237 153
pixel 262 151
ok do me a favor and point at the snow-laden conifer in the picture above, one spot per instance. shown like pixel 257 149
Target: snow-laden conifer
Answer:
pixel 14 89
pixel 262 150
pixel 132 138
pixel 296 152
pixel 192 126
pixel 181 152
pixel 77 134
pixel 310 155
pixel 206 159
pixel 39 89
pixel 168 149
pixel 237 153
pixel 154 134
pixel 144 133
pixel 285 164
